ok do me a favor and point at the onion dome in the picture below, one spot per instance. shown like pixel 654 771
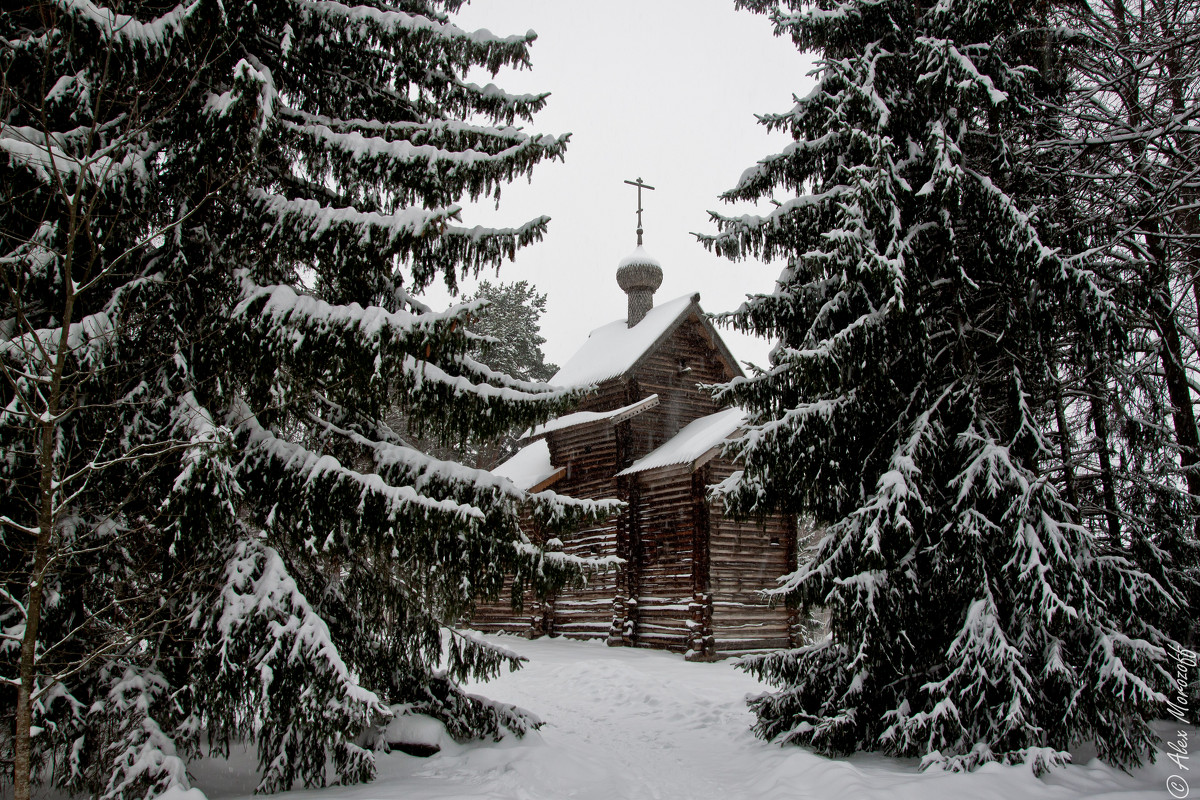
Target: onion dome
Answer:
pixel 639 275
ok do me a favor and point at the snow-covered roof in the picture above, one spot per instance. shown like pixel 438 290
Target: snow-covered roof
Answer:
pixel 581 417
pixel 697 438
pixel 612 349
pixel 529 467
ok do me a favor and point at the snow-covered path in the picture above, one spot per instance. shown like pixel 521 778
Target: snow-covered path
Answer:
pixel 631 724
pixel 645 725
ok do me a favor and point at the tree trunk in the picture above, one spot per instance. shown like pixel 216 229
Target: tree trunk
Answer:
pixel 1064 449
pixel 48 512
pixel 1108 492
pixel 27 673
pixel 1183 413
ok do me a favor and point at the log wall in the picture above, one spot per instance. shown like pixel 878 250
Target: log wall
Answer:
pixel 663 551
pixel 745 557
pixel 591 454
pixel 674 371
pixel 610 395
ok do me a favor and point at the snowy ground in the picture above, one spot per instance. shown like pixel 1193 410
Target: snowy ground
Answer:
pixel 645 725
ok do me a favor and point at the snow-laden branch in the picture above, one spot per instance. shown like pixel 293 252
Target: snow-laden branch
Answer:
pixel 425 371
pixel 436 131
pixel 786 209
pixel 357 146
pixel 286 307
pixel 48 161
pixel 565 560
pixel 312 219
pixel 310 467
pixel 946 57
pixel 396 21
pixel 85 340
pixel 157 33
pixel 422 467
pixel 144 757
pixel 258 585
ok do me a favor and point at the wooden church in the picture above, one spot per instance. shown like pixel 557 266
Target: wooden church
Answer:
pixel 650 436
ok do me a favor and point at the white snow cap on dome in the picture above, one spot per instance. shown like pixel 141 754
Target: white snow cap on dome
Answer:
pixel 639 256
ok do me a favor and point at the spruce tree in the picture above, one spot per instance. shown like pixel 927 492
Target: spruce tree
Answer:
pixel 508 340
pixel 509 323
pixel 928 290
pixel 216 222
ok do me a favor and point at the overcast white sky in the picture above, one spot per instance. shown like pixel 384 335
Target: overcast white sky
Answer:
pixel 662 89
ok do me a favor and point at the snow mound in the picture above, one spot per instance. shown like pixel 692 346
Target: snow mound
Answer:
pixel 179 793
pixel 416 734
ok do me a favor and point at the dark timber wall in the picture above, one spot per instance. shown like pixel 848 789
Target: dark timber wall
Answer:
pixel 674 372
pixel 590 453
pixel 746 557
pixel 663 552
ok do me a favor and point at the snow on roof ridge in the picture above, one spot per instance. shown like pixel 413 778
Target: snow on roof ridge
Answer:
pixel 693 441
pixel 612 349
pixel 583 417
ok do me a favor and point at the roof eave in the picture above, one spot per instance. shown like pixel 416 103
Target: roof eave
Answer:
pixel 629 412
pixel 547 482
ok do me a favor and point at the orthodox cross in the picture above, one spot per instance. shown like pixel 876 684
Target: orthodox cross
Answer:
pixel 640 185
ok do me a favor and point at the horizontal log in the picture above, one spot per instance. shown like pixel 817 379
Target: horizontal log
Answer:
pixel 565 603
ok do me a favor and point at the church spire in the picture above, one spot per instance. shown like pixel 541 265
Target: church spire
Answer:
pixel 638 274
pixel 640 184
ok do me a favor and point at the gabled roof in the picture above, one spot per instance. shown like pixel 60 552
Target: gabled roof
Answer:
pixel 614 349
pixel 697 439
pixel 583 417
